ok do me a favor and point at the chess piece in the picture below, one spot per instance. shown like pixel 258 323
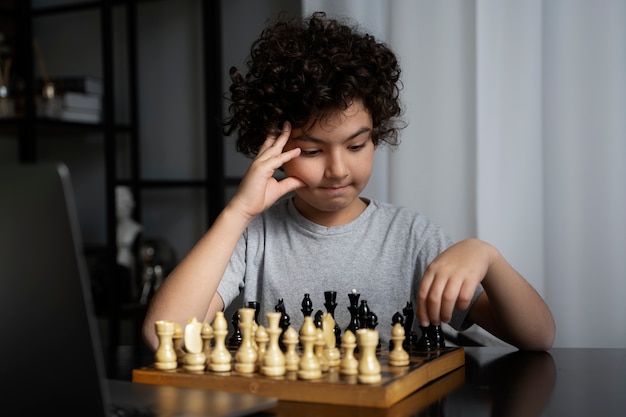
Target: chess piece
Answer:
pixel 290 340
pixel 273 363
pixel 255 305
pixel 220 359
pixel 165 355
pixel 309 365
pixel 285 321
pixel 178 343
pixel 437 336
pixel 307 305
pixel 369 366
pixel 261 338
pixel 318 348
pixel 363 314
pixel 410 337
pixel 398 356
pixel 425 344
pixel 207 338
pixel 349 365
pixel 318 319
pixel 194 357
pixel 353 308
pixel 397 318
pixel 235 338
pixel 246 355
pixel 330 302
pixel 331 352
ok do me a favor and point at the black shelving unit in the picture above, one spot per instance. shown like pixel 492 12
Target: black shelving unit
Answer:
pixel 30 129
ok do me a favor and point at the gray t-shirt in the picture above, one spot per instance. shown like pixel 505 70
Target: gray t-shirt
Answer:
pixel 382 254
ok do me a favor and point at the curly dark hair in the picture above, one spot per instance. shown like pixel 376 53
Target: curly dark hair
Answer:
pixel 304 68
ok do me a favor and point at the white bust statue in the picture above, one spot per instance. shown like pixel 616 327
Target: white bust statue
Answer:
pixel 127 228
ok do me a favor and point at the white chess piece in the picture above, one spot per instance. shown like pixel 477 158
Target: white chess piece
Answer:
pixel 165 355
pixel 290 340
pixel 194 357
pixel 349 364
pixel 369 366
pixel 309 365
pixel 273 363
pixel 398 356
pixel 220 359
pixel 246 355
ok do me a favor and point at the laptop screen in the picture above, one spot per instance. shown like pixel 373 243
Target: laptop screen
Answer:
pixel 51 351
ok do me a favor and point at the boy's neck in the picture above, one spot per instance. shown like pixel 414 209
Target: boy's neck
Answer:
pixel 331 218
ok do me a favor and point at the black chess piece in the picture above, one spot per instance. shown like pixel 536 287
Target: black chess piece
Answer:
pixel 437 336
pixel 318 319
pixel 284 323
pixel 364 311
pixel 235 339
pixel 330 303
pixel 255 306
pixel 397 318
pixel 410 338
pixel 425 343
pixel 353 308
pixel 307 305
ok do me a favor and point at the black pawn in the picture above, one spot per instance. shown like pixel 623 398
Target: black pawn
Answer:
pixel 307 305
pixel 437 336
pixel 425 343
pixel 410 338
pixel 284 323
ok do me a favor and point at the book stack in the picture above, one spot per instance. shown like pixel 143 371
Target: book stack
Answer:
pixel 74 99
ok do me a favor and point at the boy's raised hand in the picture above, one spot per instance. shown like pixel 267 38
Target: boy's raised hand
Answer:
pixel 259 189
pixel 451 280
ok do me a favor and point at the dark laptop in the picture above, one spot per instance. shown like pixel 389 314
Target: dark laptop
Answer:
pixel 52 362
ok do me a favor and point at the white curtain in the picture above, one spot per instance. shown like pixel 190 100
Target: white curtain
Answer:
pixel 517 135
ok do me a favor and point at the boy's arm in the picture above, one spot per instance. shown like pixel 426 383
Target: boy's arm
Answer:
pixel 512 310
pixel 191 288
pixel 509 308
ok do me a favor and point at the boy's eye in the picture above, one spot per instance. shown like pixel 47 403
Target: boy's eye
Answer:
pixel 309 152
pixel 356 147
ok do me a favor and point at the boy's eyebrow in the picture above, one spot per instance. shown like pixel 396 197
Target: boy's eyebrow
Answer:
pixel 308 138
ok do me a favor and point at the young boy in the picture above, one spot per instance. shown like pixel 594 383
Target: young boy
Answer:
pixel 317 100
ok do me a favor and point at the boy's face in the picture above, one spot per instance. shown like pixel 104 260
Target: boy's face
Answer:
pixel 336 163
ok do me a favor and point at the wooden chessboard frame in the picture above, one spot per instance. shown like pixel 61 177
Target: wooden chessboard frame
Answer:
pixel 397 382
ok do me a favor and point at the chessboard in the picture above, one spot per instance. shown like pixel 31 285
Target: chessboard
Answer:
pixel 397 382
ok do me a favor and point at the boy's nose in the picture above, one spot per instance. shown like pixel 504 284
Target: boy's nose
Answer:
pixel 336 166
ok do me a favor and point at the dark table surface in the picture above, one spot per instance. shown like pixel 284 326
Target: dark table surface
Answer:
pixel 560 382
pixel 507 382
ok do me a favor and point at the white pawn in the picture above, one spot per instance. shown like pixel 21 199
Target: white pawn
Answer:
pixel 246 355
pixel 207 337
pixel 194 358
pixel 369 366
pixel 165 355
pixel 398 356
pixel 290 340
pixel 349 365
pixel 274 359
pixel 261 338
pixel 220 359
pixel 309 365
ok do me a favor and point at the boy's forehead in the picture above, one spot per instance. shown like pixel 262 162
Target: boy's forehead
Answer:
pixel 331 119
